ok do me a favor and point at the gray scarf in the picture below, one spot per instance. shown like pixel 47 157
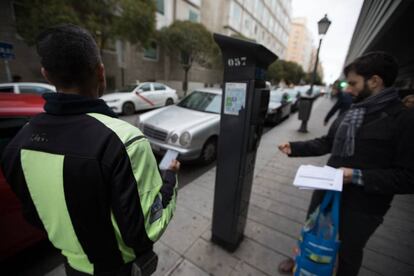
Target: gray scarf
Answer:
pixel 344 142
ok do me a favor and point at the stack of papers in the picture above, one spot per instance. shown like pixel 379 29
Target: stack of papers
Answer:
pixel 322 178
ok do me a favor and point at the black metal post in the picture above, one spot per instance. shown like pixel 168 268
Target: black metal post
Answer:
pixel 304 125
pixel 315 68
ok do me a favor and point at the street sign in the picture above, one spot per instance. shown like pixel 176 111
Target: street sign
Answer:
pixel 6 50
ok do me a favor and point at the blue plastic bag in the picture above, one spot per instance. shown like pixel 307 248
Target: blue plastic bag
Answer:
pixel 318 245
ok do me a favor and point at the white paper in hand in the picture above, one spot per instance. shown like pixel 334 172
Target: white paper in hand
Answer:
pixel 169 156
pixel 324 178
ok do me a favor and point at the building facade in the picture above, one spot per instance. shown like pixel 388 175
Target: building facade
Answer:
pixel 300 44
pixel 265 21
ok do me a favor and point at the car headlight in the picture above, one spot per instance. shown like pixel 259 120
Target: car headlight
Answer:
pixel 185 139
pixel 174 138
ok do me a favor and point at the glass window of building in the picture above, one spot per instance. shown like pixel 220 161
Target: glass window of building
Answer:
pixel 260 9
pixel 160 6
pixel 235 15
pixel 151 52
pixel 247 28
pixel 249 4
pixel 193 16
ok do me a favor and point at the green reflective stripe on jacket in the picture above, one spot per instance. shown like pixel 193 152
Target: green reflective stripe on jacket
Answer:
pixel 128 254
pixel 43 173
pixel 145 170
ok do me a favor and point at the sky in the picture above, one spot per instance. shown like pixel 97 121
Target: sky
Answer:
pixel 343 15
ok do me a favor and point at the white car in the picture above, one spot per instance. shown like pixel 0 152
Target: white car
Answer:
pixel 146 95
pixel 190 127
pixel 26 88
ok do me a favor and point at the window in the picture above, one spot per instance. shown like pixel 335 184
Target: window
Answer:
pixel 145 87
pixel 33 90
pixel 260 9
pixel 160 6
pixel 249 4
pixel 158 86
pixel 151 52
pixel 235 16
pixel 193 16
pixel 202 101
pixel 6 89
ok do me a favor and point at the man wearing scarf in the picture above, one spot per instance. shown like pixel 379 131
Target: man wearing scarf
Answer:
pixel 373 143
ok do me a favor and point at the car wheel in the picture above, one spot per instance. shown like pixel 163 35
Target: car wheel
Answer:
pixel 169 101
pixel 128 108
pixel 209 151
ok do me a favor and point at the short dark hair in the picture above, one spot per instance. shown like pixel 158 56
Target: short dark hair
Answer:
pixel 69 54
pixel 375 63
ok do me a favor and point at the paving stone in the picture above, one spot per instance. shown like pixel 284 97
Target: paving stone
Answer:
pixel 167 258
pixel 287 189
pixel 365 272
pixel 244 269
pixel 184 229
pixel 211 258
pixel 386 265
pixel 280 196
pixel 186 268
pixel 198 199
pixel 270 238
pixel 260 201
pixel 259 257
pixel 274 221
pixel 402 252
pixel 293 213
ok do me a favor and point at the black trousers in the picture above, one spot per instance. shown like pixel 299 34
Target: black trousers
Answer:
pixel 355 229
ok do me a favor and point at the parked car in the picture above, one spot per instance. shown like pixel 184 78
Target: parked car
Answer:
pixel 146 95
pixel 294 95
pixel 26 88
pixel 191 127
pixel 16 233
pixel 279 106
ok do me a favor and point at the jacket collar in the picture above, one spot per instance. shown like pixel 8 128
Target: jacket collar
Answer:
pixel 69 104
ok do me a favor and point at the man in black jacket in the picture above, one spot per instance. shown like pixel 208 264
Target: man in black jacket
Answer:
pixel 342 104
pixel 87 178
pixel 373 143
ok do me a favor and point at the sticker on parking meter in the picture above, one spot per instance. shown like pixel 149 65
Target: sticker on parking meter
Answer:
pixel 234 97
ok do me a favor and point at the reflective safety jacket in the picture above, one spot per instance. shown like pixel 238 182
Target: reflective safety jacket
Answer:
pixel 91 181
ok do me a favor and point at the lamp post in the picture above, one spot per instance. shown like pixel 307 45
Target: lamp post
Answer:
pixel 306 106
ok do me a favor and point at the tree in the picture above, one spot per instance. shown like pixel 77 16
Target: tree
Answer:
pixel 308 78
pixel 192 41
pixel 289 71
pixel 131 20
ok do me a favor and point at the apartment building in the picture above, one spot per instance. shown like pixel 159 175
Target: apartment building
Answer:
pixel 265 21
pixel 300 44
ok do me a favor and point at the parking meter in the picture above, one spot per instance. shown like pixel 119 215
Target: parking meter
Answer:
pixel 245 101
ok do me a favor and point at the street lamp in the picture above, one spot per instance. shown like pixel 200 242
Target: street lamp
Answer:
pixel 306 105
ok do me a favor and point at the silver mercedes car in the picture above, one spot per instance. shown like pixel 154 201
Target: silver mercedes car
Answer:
pixel 190 127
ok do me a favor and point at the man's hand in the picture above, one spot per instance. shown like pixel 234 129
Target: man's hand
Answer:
pixel 285 148
pixel 347 175
pixel 174 166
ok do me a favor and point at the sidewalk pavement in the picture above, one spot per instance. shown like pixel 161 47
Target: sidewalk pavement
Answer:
pixel 276 212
